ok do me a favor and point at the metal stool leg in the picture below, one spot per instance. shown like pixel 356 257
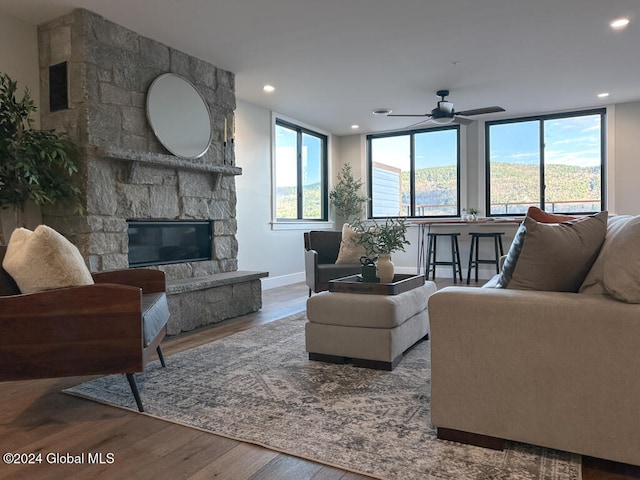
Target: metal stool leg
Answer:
pixel 473 241
pixel 495 246
pixel 453 259
pixel 457 258
pixel 429 252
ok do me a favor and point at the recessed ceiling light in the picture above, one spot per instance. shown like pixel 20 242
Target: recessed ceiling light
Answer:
pixel 355 127
pixel 619 23
pixel 269 88
pixel 603 95
pixel 382 111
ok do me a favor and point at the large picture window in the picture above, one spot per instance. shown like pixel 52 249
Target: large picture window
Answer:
pixel 555 162
pixel 415 173
pixel 300 173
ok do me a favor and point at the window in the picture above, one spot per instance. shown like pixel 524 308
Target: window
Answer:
pixel 555 162
pixel 415 174
pixel 300 173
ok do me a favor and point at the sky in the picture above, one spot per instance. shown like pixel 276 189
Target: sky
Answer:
pixel 569 141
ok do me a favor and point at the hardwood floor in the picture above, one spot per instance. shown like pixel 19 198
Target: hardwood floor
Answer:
pixel 36 417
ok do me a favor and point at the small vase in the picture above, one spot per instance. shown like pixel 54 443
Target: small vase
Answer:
pixel 385 268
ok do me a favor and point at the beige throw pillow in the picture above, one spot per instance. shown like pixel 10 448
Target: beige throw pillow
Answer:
pixel 44 259
pixel 553 257
pixel 616 271
pixel 350 251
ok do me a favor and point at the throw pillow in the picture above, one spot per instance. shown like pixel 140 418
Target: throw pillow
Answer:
pixel 616 271
pixel 350 251
pixel 44 259
pixel 541 216
pixel 553 257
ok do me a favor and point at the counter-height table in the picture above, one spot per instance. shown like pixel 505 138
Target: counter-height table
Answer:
pixel 425 226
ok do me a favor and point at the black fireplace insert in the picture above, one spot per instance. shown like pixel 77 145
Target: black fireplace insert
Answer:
pixel 162 242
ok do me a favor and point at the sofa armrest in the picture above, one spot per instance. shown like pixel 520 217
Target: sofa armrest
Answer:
pixel 545 368
pixel 149 280
pixel 93 329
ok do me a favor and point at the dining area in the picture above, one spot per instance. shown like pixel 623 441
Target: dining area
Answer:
pixel 483 240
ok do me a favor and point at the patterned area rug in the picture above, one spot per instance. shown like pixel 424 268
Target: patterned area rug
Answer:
pixel 258 386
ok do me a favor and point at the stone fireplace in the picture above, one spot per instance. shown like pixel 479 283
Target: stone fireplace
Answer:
pixel 128 176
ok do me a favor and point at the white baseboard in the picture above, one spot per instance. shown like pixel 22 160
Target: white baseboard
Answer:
pixel 282 280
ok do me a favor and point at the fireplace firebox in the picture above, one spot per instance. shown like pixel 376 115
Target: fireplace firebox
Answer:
pixel 163 242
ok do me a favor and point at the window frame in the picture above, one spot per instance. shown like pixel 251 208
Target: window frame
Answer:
pixel 541 120
pixel 412 164
pixel 324 177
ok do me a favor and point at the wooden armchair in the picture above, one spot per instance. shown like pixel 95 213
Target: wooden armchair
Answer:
pixel 113 326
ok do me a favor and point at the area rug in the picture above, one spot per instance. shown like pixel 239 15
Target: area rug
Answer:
pixel 258 386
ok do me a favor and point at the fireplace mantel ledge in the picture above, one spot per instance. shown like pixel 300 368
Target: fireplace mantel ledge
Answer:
pixel 160 159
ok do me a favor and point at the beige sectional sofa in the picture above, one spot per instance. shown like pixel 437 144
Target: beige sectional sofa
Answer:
pixel 559 369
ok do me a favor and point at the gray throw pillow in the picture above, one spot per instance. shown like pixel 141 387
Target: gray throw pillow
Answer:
pixel 553 257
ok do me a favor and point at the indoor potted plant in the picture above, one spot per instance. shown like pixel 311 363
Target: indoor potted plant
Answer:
pixel 380 240
pixel 345 196
pixel 35 165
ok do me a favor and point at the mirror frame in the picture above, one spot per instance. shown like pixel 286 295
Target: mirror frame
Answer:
pixel 165 135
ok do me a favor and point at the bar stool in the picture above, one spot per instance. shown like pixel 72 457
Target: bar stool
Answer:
pixel 432 261
pixel 475 241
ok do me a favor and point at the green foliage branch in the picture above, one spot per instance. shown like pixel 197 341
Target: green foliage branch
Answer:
pixel 345 196
pixel 380 238
pixel 37 165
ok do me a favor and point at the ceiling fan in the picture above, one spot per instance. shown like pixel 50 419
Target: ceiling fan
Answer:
pixel 444 113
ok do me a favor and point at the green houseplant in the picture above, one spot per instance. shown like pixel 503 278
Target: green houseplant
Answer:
pixel 381 240
pixel 345 196
pixel 35 165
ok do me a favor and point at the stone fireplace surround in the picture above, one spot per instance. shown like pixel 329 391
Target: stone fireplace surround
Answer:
pixel 128 175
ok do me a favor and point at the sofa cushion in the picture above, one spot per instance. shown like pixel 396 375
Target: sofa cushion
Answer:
pixel 43 259
pixel 616 271
pixel 350 251
pixel 553 257
pixel 541 216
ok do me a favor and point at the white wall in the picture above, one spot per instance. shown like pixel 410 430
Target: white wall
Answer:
pixel 19 59
pixel 260 247
pixel 626 176
pixel 19 54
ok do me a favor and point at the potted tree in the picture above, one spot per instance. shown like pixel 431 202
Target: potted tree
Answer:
pixel 35 165
pixel 346 196
pixel 380 240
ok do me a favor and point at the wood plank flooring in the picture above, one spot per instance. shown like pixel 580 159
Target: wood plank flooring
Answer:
pixel 36 417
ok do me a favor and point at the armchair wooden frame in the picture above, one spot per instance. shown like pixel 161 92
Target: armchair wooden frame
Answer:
pixel 88 330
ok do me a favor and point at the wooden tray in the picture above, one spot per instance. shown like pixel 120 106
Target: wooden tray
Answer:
pixel 401 283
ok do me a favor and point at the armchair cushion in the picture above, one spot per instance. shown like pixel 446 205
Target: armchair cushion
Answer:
pixel 326 243
pixel 43 259
pixel 155 315
pixel 350 251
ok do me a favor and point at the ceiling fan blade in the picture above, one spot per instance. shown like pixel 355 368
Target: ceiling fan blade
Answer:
pixel 462 120
pixel 481 111
pixel 409 115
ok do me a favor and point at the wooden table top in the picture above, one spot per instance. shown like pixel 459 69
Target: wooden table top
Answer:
pixel 480 221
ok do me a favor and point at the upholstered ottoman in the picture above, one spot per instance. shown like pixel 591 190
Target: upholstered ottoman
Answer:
pixel 368 330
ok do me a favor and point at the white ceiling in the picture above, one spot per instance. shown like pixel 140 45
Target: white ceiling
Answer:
pixel 333 61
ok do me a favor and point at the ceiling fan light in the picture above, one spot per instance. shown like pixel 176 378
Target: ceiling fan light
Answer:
pixel 442 120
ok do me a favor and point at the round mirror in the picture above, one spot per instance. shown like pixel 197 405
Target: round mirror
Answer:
pixel 179 116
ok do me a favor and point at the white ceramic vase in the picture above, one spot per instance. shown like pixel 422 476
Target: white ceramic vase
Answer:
pixel 385 268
